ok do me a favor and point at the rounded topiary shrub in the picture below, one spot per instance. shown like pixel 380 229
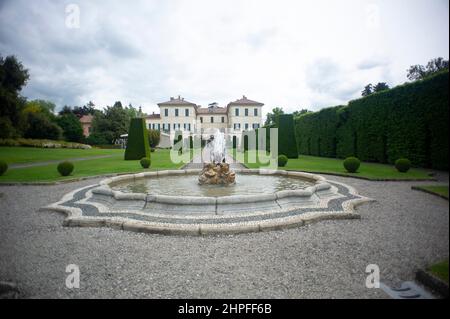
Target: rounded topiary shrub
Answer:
pixel 282 160
pixel 145 162
pixel 352 164
pixel 403 165
pixel 152 150
pixel 3 167
pixel 65 168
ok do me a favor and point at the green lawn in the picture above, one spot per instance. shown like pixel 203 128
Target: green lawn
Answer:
pixel 439 190
pixel 16 155
pixel 440 270
pixel 93 167
pixel 334 166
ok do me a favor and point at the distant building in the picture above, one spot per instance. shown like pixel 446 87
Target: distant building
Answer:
pixel 177 114
pixel 86 123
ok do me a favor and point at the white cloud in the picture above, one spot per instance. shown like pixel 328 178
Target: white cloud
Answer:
pixel 292 54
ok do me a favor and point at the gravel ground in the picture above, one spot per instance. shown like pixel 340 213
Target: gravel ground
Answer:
pixel 401 232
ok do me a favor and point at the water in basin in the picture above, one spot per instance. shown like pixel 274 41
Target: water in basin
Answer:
pixel 187 185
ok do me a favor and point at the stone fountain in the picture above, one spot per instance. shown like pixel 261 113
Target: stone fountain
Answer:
pixel 217 171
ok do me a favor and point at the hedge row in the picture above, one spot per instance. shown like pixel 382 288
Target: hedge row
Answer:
pixel 409 121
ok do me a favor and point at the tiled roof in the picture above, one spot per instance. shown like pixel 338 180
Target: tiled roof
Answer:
pixel 177 101
pixel 245 101
pixel 211 110
pixel 153 116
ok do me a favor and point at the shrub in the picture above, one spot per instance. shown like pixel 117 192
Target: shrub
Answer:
pixel 41 143
pixel 3 167
pixel 282 160
pixel 40 127
pixel 137 144
pixel 145 162
pixel 97 139
pixel 65 168
pixel 152 150
pixel 154 137
pixel 352 164
pixel 403 165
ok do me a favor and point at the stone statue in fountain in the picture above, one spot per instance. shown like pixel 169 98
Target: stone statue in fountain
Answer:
pixel 217 171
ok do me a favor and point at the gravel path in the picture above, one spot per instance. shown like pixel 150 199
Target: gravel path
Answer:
pixel 402 231
pixel 45 163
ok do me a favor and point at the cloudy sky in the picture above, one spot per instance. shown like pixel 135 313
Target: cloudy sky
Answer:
pixel 293 54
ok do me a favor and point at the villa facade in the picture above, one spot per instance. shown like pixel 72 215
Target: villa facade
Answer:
pixel 177 114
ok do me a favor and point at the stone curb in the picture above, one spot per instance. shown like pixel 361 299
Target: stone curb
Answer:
pixel 417 188
pixel 433 282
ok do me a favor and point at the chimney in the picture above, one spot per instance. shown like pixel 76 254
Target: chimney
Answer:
pixel 171 98
pixel 244 97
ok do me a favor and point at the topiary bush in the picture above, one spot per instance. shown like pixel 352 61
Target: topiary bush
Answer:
pixel 352 164
pixel 403 165
pixel 137 144
pixel 282 160
pixel 3 167
pixel 65 168
pixel 152 150
pixel 145 162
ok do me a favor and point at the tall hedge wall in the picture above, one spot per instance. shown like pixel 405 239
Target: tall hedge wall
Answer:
pixel 137 144
pixel 287 144
pixel 409 121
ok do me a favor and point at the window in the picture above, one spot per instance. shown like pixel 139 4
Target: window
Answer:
pixel 255 126
pixel 174 126
pixel 153 126
pixel 237 126
pixel 149 126
pixel 166 112
pixel 201 119
pixel 236 112
pixel 159 127
pixel 223 119
pixel 246 112
pixel 255 112
pixel 184 126
pixel 176 112
pixel 246 126
pixel 212 119
pixel 186 112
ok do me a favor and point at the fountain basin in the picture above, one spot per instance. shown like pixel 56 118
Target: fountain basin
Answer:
pixel 100 205
pixel 163 202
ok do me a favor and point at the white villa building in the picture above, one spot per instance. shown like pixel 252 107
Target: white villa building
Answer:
pixel 177 114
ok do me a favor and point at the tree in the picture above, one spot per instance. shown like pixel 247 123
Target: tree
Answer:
pixel 111 123
pixel 71 126
pixel 301 112
pixel 13 77
pixel 40 127
pixel 419 72
pixel 368 89
pixel 272 118
pixel 381 86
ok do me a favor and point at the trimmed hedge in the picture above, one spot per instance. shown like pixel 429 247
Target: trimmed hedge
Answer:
pixel 282 160
pixel 3 167
pixel 408 121
pixel 65 168
pixel 137 144
pixel 145 162
pixel 287 144
pixel 403 165
pixel 351 164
